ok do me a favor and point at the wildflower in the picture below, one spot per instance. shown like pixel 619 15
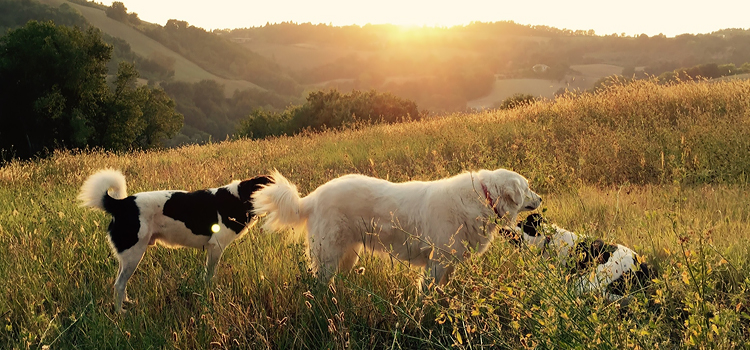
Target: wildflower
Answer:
pixel 331 326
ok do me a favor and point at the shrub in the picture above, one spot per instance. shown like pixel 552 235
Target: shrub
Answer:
pixel 330 109
pixel 516 100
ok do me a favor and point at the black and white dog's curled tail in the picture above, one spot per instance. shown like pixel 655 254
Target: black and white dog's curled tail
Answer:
pixel 102 187
pixel 281 204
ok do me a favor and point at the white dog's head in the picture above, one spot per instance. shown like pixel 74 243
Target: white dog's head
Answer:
pixel 508 193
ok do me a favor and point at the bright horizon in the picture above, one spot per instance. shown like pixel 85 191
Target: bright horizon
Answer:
pixel 635 17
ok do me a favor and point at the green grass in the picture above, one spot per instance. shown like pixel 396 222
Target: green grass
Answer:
pixel 660 169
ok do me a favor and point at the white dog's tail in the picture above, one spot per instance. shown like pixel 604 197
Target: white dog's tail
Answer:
pixel 104 183
pixel 281 203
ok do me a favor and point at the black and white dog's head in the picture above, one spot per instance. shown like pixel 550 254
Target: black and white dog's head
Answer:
pixel 246 188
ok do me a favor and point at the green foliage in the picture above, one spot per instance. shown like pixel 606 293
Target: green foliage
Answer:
pixel 516 100
pixel 15 13
pixel 136 116
pixel 53 94
pixel 261 123
pixel 330 109
pixel 52 83
pixel 117 11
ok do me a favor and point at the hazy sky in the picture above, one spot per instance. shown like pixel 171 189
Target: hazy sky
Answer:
pixel 670 17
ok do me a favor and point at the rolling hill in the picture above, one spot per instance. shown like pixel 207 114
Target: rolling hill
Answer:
pixel 185 70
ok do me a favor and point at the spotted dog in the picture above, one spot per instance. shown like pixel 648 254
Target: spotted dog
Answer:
pixel 611 269
pixel 208 219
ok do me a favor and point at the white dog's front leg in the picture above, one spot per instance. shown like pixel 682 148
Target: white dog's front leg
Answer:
pixel 213 254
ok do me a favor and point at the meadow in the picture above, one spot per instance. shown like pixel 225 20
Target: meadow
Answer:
pixel 662 169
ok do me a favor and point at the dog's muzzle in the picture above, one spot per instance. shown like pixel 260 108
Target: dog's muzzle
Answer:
pixel 535 200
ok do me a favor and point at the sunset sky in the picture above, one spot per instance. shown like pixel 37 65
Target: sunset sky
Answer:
pixel 670 17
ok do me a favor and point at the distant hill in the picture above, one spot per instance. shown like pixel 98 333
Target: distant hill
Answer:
pixel 144 46
pixel 582 77
pixel 480 64
pixel 220 77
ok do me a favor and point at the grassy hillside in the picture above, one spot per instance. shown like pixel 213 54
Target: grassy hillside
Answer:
pixel 144 46
pixel 661 169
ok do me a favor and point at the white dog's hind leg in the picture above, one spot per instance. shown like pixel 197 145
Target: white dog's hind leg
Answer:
pixel 440 272
pixel 129 261
pixel 350 257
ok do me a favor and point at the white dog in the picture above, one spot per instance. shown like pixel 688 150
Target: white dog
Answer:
pixel 610 269
pixel 208 219
pixel 427 224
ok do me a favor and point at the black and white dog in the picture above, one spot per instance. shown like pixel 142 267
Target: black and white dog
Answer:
pixel 611 269
pixel 209 219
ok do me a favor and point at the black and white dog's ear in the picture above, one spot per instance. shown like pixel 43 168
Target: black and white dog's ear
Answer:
pixel 247 187
pixel 532 224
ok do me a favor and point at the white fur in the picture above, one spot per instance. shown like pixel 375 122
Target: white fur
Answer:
pixel 104 181
pixel 621 260
pixel 561 241
pixel 425 223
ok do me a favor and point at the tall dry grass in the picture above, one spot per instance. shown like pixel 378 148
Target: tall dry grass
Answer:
pixel 660 169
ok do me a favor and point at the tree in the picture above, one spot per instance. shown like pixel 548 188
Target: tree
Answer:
pixel 54 94
pixel 52 81
pixel 118 12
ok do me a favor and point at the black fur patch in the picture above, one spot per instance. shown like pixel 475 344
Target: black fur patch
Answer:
pixel 232 210
pixel 125 224
pixel 248 187
pixel 196 209
pixel 588 255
